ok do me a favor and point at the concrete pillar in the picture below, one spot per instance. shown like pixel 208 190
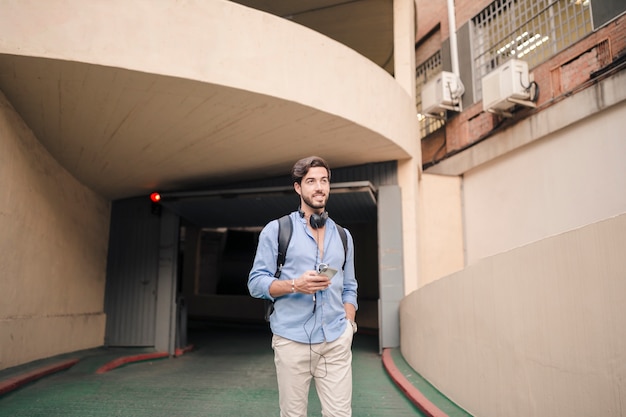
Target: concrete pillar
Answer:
pixel 404 44
pixel 404 12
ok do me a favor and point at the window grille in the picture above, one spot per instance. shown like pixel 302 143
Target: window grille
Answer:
pixel 532 30
pixel 425 72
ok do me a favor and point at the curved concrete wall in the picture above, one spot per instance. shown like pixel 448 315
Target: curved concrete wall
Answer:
pixel 536 331
pixel 53 248
pixel 217 42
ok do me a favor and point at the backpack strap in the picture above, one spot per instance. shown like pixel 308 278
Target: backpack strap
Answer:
pixel 344 240
pixel 285 229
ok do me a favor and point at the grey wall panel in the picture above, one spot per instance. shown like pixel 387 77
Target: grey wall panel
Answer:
pixel 465 59
pixel 380 173
pixel 604 11
pixel 132 269
pixel 391 270
pixel 466 63
pixel 166 286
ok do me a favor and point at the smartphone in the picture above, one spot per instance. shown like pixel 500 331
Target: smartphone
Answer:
pixel 328 271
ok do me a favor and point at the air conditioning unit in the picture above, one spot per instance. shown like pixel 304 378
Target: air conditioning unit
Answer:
pixel 441 93
pixel 507 86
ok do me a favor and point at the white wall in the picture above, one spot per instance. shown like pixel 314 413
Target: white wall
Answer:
pixel 570 178
pixel 440 226
pixel 53 250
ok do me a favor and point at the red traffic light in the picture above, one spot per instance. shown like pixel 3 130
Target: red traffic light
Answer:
pixel 155 197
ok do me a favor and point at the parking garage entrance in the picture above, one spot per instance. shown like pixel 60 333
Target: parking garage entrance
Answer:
pixel 188 259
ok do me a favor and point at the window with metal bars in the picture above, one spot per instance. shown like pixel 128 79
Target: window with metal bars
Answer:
pixel 532 30
pixel 425 72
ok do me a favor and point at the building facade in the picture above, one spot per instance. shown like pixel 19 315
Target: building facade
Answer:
pixel 521 314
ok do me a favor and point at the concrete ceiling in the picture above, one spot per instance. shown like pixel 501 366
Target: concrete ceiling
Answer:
pixel 364 25
pixel 125 133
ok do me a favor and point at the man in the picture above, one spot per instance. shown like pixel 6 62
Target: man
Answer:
pixel 313 318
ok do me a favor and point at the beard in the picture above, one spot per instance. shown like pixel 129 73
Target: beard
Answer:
pixel 314 205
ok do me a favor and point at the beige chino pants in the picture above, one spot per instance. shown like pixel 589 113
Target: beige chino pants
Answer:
pixel 329 363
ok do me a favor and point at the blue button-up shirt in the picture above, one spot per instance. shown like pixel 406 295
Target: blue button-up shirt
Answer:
pixel 294 317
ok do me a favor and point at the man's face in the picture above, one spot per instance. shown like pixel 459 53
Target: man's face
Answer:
pixel 314 188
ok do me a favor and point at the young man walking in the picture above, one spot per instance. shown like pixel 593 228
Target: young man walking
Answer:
pixel 315 299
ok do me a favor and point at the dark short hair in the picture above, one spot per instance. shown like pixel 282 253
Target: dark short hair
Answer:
pixel 301 167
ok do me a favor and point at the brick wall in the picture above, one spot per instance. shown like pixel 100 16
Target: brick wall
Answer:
pixel 431 13
pixel 432 28
pixel 572 68
pixel 467 9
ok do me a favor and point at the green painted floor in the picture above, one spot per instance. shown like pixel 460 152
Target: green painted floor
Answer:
pixel 229 373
